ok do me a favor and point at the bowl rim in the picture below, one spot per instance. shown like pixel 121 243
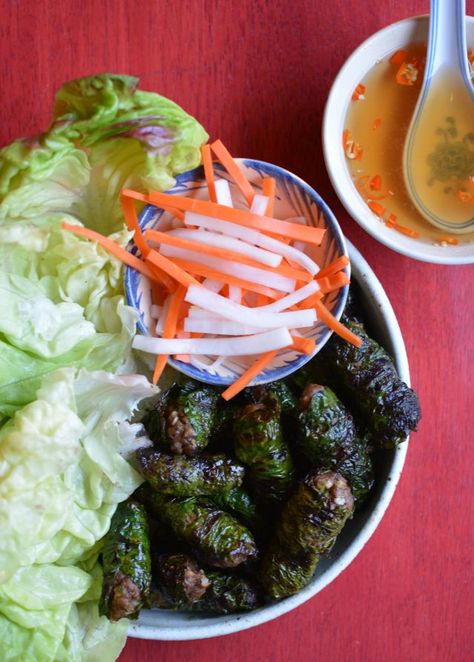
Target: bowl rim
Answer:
pixel 282 372
pixel 231 624
pixel 335 163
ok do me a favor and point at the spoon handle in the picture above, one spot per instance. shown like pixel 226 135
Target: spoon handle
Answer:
pixel 447 38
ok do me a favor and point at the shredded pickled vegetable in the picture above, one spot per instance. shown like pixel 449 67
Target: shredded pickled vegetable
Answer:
pixel 227 280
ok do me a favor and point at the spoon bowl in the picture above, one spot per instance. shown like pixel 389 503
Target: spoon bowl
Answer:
pixel 438 161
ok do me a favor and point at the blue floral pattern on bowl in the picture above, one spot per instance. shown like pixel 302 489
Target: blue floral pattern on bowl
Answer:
pixel 293 198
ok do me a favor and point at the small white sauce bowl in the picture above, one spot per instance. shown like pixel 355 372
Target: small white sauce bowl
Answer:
pixel 378 47
pixel 293 198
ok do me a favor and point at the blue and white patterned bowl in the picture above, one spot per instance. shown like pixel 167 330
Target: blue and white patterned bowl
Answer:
pixel 293 198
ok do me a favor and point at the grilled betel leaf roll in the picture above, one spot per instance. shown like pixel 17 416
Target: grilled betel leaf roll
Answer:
pixel 153 419
pixel 217 538
pixel 326 436
pixel 324 429
pixel 240 503
pixel 180 475
pixel 178 582
pixel 356 467
pixel 181 584
pixel 366 379
pixel 308 526
pixel 183 418
pixel 126 563
pixel 259 444
pixel 283 392
pixel 227 594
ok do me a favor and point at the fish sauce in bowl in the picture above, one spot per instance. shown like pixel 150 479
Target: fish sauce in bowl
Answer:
pixel 376 125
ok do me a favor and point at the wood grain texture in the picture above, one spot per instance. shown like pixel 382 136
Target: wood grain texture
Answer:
pixel 257 74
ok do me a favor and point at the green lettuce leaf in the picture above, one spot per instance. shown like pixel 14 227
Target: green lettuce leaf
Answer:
pixel 63 451
pixel 61 304
pixel 50 612
pixel 40 180
pixel 62 474
pixel 61 469
pixel 106 135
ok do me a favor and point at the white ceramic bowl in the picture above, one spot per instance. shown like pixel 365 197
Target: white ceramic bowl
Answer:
pixel 379 46
pixel 169 625
pixel 293 197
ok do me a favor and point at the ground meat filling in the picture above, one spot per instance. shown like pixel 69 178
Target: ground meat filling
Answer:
pixel 339 492
pixel 125 598
pixel 195 582
pixel 180 432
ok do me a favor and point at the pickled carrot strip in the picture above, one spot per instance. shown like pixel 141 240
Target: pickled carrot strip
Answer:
pixel 233 169
pixel 208 171
pixel 171 268
pixel 303 345
pixel 265 224
pixel 247 376
pixel 260 364
pixel 142 197
pixel 325 316
pixel 334 282
pixel 131 218
pixel 169 329
pixel 333 267
pixel 310 302
pixel 269 189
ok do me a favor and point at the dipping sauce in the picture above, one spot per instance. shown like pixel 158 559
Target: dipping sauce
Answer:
pixel 376 126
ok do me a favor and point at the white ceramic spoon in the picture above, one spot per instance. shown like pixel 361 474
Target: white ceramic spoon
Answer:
pixel 438 159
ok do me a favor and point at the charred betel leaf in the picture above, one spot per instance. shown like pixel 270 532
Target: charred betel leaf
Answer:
pixel 179 582
pixel 182 584
pixel 259 444
pixel 280 389
pixel 308 526
pixel 228 594
pixel 325 434
pixel 324 429
pixel 183 418
pixel 240 503
pixel 126 562
pixel 180 475
pixel 217 538
pixel 366 379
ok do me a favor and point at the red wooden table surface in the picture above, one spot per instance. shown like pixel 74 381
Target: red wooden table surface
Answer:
pixel 256 74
